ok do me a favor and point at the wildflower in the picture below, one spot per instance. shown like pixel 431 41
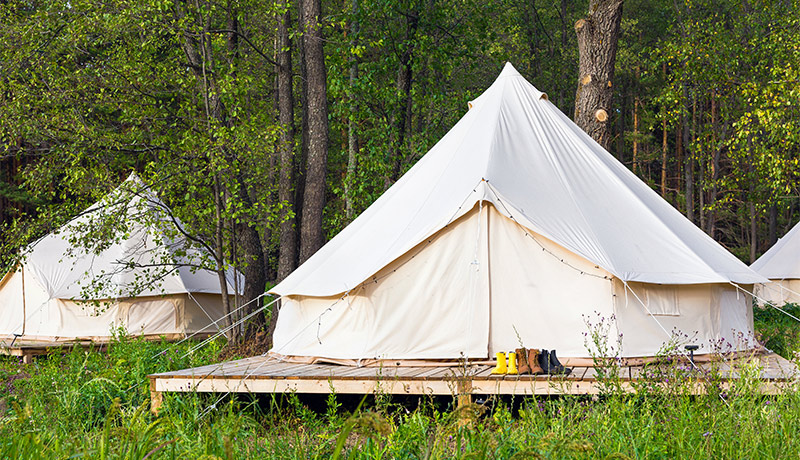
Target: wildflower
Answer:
pixel 707 434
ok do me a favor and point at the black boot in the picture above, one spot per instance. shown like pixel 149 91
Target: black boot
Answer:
pixel 544 361
pixel 555 365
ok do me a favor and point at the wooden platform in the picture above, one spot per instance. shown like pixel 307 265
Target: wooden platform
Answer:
pixel 268 375
pixel 28 349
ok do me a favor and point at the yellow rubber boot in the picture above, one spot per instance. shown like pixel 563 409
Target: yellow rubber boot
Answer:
pixel 512 363
pixel 501 364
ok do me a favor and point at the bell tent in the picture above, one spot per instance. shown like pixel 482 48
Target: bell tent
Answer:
pixel 515 229
pixel 781 265
pixel 71 285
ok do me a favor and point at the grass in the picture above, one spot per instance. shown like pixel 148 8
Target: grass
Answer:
pixel 95 405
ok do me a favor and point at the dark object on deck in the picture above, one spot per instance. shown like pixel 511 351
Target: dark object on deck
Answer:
pixel 691 349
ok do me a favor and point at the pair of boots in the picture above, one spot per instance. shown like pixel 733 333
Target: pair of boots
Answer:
pixel 531 361
pixel 504 367
pixel 549 363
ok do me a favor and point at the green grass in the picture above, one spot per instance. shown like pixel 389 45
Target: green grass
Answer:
pixel 95 405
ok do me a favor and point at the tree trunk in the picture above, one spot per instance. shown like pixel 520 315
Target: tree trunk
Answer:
pixel 598 35
pixel 255 277
pixel 199 54
pixel 752 205
pixel 218 256
pixel 300 163
pixel 562 12
pixel 352 135
pixel 402 115
pixel 636 135
pixel 311 237
pixel 753 230
pixel 772 237
pixel 287 253
pixel 664 141
pixel 712 215
pixel 619 152
pixel 689 167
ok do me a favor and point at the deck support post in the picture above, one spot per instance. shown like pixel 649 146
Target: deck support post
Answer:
pixel 156 398
pixel 464 388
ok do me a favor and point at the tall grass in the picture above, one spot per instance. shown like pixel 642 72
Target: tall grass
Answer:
pixel 86 404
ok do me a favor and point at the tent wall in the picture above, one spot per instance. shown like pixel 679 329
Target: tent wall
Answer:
pixel 779 292
pixel 431 303
pixel 486 284
pixel 60 319
pixel 536 296
pixel 540 291
pixel 201 310
pixel 13 303
pixel 714 316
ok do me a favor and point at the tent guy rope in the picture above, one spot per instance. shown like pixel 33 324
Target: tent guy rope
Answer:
pixel 765 301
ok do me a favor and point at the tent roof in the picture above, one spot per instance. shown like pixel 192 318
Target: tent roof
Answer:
pixel 782 260
pixel 143 257
pixel 517 150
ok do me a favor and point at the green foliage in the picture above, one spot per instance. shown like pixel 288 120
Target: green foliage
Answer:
pixel 95 405
pixel 777 330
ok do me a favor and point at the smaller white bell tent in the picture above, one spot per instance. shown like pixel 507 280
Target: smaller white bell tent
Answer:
pixel 76 285
pixel 516 228
pixel 781 265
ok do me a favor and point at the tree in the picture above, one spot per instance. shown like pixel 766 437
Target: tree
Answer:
pixel 287 259
pixel 316 108
pixel 598 35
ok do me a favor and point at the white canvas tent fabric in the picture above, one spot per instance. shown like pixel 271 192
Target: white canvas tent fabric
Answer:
pixel 140 280
pixel 781 265
pixel 512 228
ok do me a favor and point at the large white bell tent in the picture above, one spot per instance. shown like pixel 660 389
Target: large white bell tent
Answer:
pixel 781 265
pixel 515 228
pixel 139 277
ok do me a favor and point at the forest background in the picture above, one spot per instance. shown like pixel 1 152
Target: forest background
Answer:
pixel 268 126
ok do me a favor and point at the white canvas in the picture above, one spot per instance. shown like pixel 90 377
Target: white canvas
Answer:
pixel 145 286
pixel 520 167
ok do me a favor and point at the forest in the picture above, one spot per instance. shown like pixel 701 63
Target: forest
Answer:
pixel 267 126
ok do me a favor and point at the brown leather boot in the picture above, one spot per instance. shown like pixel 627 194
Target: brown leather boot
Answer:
pixel 533 362
pixel 522 361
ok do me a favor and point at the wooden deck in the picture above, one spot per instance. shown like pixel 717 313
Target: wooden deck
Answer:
pixel 28 349
pixel 268 375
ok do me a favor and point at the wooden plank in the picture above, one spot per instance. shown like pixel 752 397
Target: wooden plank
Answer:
pixel 265 374
pixel 263 366
pixel 625 372
pixel 286 371
pixel 234 369
pixel 350 373
pixel 324 370
pixel 484 373
pixel 365 386
pixel 577 373
pixel 636 372
pixel 207 368
pixel 395 372
pixel 433 373
pixel 437 373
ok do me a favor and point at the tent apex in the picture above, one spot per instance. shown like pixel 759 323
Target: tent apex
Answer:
pixel 134 178
pixel 509 71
